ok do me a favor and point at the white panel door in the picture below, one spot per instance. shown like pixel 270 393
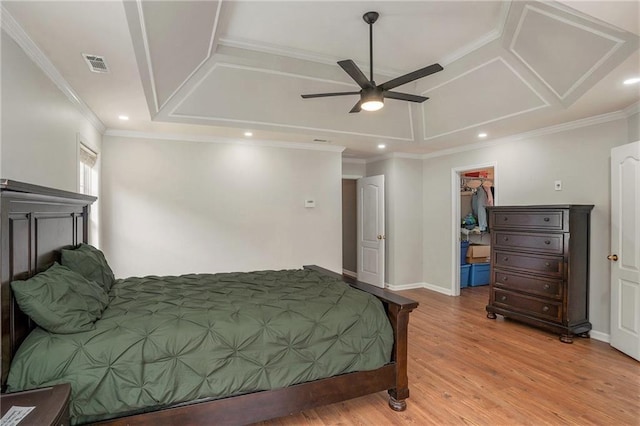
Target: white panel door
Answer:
pixel 371 236
pixel 625 249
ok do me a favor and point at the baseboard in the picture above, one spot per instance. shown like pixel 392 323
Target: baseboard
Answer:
pixel 598 335
pixel 400 287
pixel 411 286
pixel 438 289
pixel 349 273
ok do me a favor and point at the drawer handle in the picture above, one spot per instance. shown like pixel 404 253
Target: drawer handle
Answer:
pixel 506 238
pixel 505 278
pixel 503 298
pixel 545 309
pixel 547 242
pixel 546 286
pixel 505 218
pixel 506 259
pixel 546 219
pixel 547 264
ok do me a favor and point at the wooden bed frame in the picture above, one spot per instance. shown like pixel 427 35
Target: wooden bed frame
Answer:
pixel 36 222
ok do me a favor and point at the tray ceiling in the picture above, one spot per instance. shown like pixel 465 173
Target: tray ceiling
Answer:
pixel 219 68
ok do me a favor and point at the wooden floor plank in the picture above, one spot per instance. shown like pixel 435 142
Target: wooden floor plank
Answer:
pixel 465 369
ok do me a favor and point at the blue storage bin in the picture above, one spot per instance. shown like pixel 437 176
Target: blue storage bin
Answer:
pixel 464 246
pixel 479 274
pixel 464 275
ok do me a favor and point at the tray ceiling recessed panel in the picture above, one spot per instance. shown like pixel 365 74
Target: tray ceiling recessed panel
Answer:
pixel 179 37
pixel 560 52
pixel 491 91
pixel 272 98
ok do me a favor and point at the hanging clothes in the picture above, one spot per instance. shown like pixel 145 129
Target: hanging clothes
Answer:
pixel 478 204
pixel 488 189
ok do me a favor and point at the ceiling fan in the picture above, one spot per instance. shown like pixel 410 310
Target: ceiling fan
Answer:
pixel 371 95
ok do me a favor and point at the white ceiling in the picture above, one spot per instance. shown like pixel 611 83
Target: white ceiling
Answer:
pixel 217 69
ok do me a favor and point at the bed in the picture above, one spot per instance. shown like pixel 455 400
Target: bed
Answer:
pixel 38 222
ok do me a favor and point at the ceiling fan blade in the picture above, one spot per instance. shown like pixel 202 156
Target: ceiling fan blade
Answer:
pixel 356 107
pixel 352 69
pixel 324 95
pixel 404 79
pixel 404 96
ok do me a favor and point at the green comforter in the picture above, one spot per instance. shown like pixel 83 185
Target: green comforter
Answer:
pixel 164 340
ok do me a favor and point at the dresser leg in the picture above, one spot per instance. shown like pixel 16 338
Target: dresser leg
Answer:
pixel 585 335
pixel 566 338
pixel 491 315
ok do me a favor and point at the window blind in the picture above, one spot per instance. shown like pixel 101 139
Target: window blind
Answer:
pixel 87 156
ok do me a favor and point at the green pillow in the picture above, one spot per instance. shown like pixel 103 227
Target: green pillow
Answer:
pixel 60 300
pixel 89 262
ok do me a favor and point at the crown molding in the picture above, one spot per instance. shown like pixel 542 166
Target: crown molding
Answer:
pixel 632 109
pixel 221 140
pixel 31 49
pixel 571 125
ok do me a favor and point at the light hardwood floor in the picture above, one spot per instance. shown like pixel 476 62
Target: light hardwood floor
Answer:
pixel 467 369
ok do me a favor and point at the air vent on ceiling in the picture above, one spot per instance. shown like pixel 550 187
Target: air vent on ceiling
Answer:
pixel 96 63
pixel 321 140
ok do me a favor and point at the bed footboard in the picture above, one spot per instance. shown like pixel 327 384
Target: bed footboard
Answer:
pixel 398 309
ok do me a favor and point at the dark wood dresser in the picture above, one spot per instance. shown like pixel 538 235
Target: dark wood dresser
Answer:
pixel 540 267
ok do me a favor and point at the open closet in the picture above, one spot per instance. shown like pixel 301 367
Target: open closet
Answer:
pixel 476 193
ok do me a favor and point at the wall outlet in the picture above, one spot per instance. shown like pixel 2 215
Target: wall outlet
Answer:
pixel 557 185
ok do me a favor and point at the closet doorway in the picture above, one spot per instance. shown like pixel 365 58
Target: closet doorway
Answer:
pixel 470 222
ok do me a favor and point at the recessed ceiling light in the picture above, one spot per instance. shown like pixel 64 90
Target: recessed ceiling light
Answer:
pixel 248 134
pixel 482 135
pixel 382 146
pixel 632 80
pixel 123 117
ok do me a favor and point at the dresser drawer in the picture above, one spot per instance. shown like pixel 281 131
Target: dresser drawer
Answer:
pixel 543 243
pixel 541 308
pixel 552 220
pixel 548 265
pixel 528 284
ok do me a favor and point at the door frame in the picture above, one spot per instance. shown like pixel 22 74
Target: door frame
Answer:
pixel 455 219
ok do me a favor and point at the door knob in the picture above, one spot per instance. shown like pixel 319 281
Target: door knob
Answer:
pixel 381 237
pixel 613 257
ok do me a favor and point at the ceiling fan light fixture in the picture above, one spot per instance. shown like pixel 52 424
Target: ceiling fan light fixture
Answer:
pixel 372 100
pixel 372 105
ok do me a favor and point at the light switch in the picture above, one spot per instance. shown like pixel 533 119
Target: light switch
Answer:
pixel 557 185
pixel 309 203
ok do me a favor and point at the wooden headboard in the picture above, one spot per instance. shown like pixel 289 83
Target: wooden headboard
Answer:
pixel 36 222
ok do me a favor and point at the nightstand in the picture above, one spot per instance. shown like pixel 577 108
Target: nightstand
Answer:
pixel 52 405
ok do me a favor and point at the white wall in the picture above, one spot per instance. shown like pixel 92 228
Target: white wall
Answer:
pixel 179 207
pixel 351 167
pixel 634 127
pixel 526 170
pixel 40 125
